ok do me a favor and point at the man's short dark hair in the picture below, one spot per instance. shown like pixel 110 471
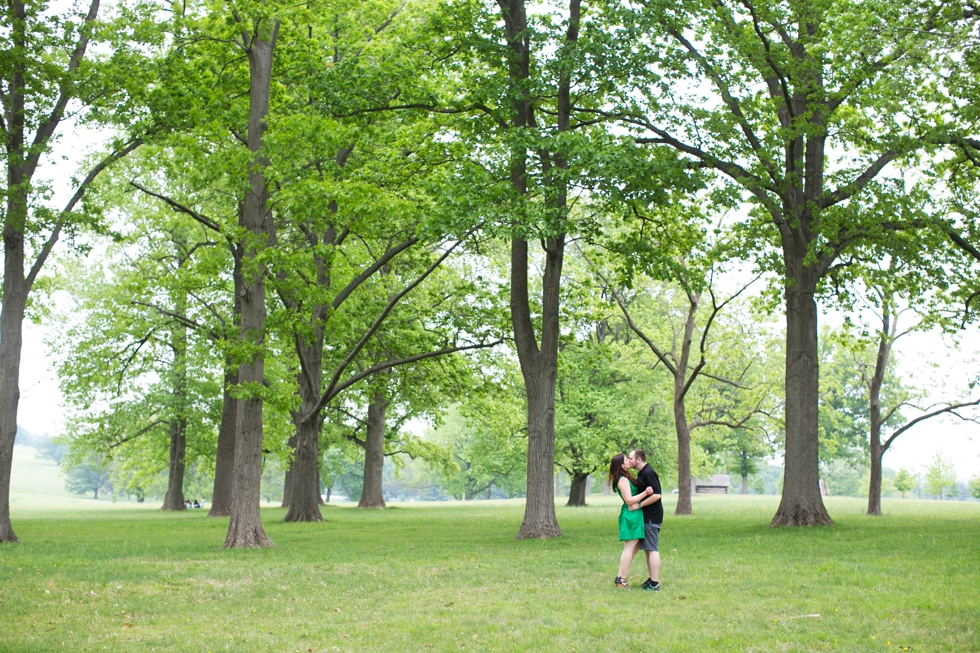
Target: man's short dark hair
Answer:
pixel 640 455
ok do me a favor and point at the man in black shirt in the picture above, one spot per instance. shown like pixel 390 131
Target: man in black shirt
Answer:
pixel 653 516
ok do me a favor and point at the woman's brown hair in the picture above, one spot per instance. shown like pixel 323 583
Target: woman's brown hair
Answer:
pixel 616 470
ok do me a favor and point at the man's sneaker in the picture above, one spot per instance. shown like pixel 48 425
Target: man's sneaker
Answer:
pixel 651 586
pixel 621 583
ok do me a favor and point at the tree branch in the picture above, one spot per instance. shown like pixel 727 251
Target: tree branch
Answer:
pixel 46 129
pixel 330 391
pixel 377 265
pixel 70 206
pixel 948 409
pixel 841 194
pixel 178 207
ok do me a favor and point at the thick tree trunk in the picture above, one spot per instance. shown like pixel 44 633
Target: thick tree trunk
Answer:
pixel 745 484
pixel 539 367
pixel 245 526
pixel 304 474
pixel 801 503
pixel 15 288
pixel 174 499
pixel 576 493
pixel 224 464
pixel 372 493
pixel 11 325
pixel 540 371
pixel 14 302
pixel 304 505
pixel 683 455
pixel 874 489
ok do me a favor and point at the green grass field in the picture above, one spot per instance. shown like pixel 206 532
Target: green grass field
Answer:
pixel 37 484
pixel 451 577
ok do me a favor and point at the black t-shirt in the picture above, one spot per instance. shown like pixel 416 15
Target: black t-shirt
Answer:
pixel 654 513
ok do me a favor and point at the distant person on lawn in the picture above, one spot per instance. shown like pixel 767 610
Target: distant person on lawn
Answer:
pixel 653 515
pixel 630 516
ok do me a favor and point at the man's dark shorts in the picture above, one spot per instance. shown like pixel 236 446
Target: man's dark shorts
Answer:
pixel 652 539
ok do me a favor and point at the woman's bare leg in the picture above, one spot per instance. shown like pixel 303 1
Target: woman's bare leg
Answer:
pixel 629 550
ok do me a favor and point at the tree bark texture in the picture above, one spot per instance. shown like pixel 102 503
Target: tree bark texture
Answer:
pixel 245 526
pixel 801 503
pixel 539 365
pixel 885 340
pixel 15 286
pixel 682 428
pixel 798 222
pixel 174 499
pixel 372 492
pixel 224 462
pixel 576 493
pixel 684 505
pixel 302 494
pixel 11 339
pixel 304 503
pixel 874 490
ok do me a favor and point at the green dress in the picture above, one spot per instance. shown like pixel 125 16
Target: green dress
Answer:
pixel 630 521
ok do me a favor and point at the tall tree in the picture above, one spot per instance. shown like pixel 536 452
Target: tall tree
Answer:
pixel 258 36
pixel 539 361
pixel 808 106
pixel 520 78
pixel 48 73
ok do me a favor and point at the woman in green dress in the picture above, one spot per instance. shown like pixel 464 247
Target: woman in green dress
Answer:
pixel 630 515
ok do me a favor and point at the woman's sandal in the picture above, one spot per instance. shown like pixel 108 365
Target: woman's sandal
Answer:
pixel 621 583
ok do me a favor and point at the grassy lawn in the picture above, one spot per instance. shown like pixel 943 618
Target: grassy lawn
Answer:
pixel 450 577
pixel 36 483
